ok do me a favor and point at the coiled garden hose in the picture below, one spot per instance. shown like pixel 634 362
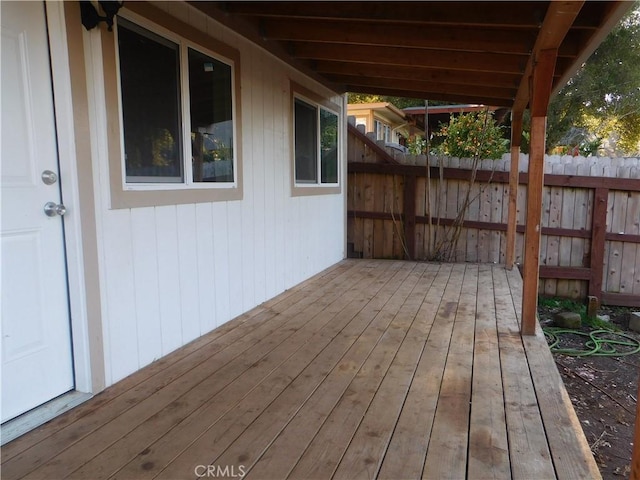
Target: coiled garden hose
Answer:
pixel 603 343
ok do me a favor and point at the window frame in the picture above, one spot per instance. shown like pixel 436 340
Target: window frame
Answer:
pixel 186 152
pixel 129 195
pixel 309 97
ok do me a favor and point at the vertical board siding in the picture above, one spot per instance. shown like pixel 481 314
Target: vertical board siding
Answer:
pixel 205 280
pixel 121 328
pixel 189 266
pixel 255 142
pixel 174 273
pixel 149 331
pixel 221 252
pixel 166 222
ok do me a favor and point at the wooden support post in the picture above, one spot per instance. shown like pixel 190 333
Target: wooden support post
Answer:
pixel 541 91
pixel 532 227
pixel 516 140
pixel 409 215
pixel 598 231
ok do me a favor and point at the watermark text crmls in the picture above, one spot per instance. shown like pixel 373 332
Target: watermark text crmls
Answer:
pixel 220 471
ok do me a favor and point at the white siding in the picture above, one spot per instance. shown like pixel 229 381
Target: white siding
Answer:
pixel 174 273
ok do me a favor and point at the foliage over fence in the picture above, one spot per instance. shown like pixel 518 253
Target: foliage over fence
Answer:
pixel 391 216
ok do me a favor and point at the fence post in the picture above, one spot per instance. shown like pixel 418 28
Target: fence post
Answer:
pixel 409 215
pixel 598 231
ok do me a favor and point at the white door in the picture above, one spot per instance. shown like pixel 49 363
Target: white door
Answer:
pixel 36 338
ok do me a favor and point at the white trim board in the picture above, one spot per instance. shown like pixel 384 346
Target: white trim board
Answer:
pixel 40 415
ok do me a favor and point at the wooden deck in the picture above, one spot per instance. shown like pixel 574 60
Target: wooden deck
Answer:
pixel 372 369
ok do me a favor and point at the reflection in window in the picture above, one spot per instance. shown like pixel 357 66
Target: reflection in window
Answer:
pixel 149 66
pixel 328 147
pixel 211 118
pixel 305 142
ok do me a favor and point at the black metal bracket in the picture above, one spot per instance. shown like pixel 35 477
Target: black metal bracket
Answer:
pixel 91 18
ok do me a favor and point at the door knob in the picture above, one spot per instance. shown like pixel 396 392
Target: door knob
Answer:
pixel 51 209
pixel 49 177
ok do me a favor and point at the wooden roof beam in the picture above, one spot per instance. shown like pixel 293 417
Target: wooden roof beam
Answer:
pixel 557 22
pixel 359 33
pixel 492 14
pixel 454 77
pixel 416 57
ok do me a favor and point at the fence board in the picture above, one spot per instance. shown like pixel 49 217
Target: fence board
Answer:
pixel 472 233
pixel 629 269
pixel 421 229
pixel 636 284
pixel 616 217
pixel 504 219
pixel 496 216
pixel 354 225
pixel 398 205
pixel 553 241
pixel 367 228
pixel 378 182
pixel 578 245
pixel 485 216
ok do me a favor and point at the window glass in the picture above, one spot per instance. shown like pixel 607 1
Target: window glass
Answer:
pixel 211 102
pixel 150 87
pixel 328 146
pixel 306 128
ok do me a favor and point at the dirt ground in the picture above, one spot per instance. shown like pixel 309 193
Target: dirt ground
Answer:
pixel 604 392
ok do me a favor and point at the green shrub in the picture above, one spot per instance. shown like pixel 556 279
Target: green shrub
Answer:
pixel 472 135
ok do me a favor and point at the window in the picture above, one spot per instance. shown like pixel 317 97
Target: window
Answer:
pixel 177 112
pixel 383 131
pixel 315 143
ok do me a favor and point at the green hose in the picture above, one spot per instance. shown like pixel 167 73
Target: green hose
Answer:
pixel 603 343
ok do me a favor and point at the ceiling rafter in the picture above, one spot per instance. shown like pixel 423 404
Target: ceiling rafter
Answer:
pixel 416 73
pixel 416 57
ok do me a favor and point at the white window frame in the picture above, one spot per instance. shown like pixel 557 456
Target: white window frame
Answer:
pixel 318 106
pixel 185 110
pixel 382 129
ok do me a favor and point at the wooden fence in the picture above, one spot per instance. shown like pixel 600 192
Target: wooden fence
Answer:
pixel 590 227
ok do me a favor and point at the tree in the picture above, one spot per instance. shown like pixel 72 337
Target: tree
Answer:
pixel 603 99
pixel 472 135
pixel 364 98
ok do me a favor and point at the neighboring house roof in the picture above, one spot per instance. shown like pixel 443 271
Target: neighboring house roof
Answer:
pixel 479 52
pixel 389 113
pixel 385 110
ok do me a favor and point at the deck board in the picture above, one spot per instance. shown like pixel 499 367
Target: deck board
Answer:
pixel 447 451
pixel 488 444
pixel 407 449
pixel 371 369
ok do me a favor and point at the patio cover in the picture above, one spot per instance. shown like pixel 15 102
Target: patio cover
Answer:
pixel 506 54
